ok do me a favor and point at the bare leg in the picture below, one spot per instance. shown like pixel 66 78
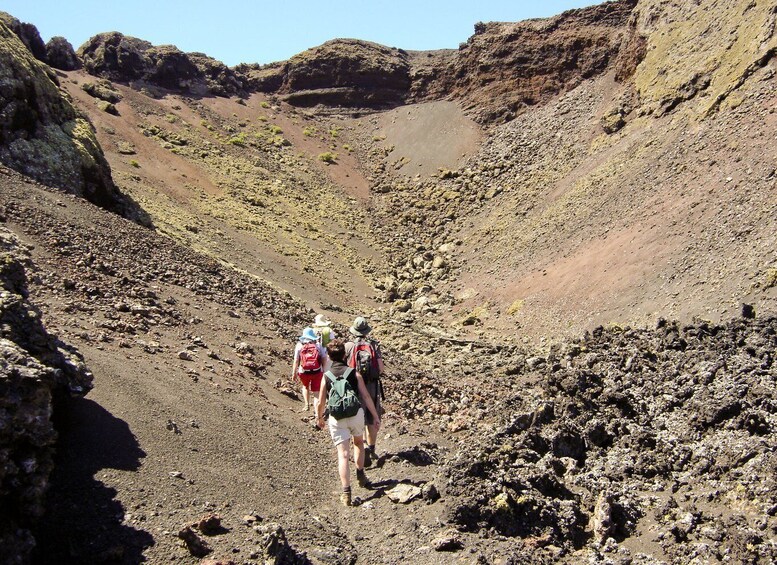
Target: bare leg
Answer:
pixel 305 398
pixel 343 465
pixel 358 451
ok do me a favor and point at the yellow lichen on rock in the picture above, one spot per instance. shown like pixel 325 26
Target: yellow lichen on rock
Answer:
pixel 704 48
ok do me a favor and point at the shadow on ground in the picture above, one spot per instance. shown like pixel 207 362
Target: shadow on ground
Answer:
pixel 84 523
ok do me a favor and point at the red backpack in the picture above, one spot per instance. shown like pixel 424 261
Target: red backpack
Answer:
pixel 309 358
pixel 365 359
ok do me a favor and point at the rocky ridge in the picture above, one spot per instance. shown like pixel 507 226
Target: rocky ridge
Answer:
pixel 127 59
pixel 506 67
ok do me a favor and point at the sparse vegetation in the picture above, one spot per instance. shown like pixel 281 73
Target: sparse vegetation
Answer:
pixel 275 130
pixel 134 163
pixel 771 277
pixel 239 139
pixel 328 157
pixel 515 307
pixel 264 104
pixel 309 131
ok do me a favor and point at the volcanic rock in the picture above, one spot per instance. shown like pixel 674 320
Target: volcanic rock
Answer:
pixel 341 72
pixel 28 34
pixel 127 59
pixel 506 67
pixel 36 370
pixel 44 137
pixel 61 55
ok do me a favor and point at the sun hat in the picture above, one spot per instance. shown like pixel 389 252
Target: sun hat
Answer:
pixel 360 327
pixel 308 335
pixel 320 321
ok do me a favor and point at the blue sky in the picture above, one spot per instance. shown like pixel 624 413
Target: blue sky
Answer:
pixel 259 31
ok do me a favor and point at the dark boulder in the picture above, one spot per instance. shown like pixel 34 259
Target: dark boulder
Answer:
pixel 61 55
pixel 115 56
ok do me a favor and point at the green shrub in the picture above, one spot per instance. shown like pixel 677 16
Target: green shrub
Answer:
pixel 134 163
pixel 265 104
pixel 275 130
pixel 328 157
pixel 239 139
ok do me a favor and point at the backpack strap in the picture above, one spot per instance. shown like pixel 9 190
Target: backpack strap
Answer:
pixel 330 376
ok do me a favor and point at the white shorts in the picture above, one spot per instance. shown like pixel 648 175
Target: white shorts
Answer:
pixel 342 430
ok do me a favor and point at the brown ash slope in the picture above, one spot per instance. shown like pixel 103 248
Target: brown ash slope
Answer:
pixel 615 202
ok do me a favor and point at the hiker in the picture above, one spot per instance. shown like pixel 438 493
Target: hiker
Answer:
pixel 325 334
pixel 363 353
pixel 309 360
pixel 344 395
pixel 323 330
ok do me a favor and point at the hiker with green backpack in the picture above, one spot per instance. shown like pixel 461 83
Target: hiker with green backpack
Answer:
pixel 345 398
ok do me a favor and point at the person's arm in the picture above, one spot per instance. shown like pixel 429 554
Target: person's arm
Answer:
pixel 321 402
pixel 294 365
pixel 366 399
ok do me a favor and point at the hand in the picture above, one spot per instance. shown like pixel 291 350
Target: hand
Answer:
pixel 320 422
pixel 376 422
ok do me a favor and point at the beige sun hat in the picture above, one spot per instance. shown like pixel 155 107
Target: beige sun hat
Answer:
pixel 320 321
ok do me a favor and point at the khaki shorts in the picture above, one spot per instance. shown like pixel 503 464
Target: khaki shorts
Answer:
pixel 346 428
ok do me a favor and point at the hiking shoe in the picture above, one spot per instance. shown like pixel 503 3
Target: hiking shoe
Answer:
pixel 345 498
pixel 361 478
pixel 367 458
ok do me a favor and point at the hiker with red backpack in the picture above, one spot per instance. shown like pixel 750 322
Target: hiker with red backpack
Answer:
pixel 344 395
pixel 364 355
pixel 308 366
pixel 325 334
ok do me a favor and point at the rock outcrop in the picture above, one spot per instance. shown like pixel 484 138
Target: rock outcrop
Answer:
pixel 35 370
pixel 61 55
pixel 127 59
pixel 27 33
pixel 44 137
pixel 341 72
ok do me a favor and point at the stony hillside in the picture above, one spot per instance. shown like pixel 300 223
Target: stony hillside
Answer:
pixel 518 218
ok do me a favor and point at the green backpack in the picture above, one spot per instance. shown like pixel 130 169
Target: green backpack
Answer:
pixel 343 401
